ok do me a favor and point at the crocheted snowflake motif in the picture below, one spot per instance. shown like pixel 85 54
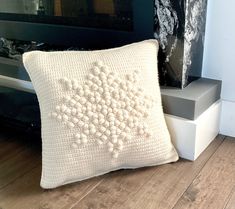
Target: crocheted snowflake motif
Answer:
pixel 105 108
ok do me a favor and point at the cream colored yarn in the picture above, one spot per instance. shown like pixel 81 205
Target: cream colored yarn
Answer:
pixel 100 111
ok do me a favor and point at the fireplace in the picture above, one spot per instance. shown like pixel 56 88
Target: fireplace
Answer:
pixel 179 26
pixel 96 24
pixel 87 24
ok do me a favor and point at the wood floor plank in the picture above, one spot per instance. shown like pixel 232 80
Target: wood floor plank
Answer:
pixel 20 172
pixel 26 193
pixel 157 187
pixel 16 158
pixel 231 201
pixel 19 164
pixel 214 183
pixel 116 189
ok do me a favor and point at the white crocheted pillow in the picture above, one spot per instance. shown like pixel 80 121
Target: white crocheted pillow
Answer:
pixel 100 111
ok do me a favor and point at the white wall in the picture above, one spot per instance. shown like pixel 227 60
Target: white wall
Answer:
pixel 219 57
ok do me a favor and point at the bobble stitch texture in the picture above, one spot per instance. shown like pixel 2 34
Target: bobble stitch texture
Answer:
pixel 106 108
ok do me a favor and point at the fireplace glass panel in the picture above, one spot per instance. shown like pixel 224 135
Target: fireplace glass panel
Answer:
pixel 108 14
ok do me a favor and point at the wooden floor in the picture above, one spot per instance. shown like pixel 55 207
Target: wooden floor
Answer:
pixel 209 182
